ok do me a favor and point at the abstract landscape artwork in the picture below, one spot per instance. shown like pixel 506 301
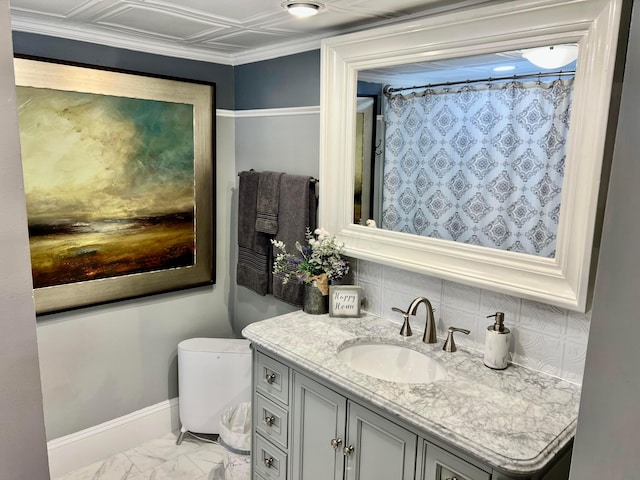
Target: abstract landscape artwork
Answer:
pixel 117 181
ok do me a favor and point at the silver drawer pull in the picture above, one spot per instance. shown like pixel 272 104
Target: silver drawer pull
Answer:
pixel 451 478
pixel 269 420
pixel 270 377
pixel 347 450
pixel 336 442
pixel 268 462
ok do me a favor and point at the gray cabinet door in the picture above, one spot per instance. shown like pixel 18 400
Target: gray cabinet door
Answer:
pixel 439 464
pixel 318 416
pixel 382 450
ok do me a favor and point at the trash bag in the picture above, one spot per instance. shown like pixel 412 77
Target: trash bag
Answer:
pixel 237 467
pixel 235 437
pixel 235 429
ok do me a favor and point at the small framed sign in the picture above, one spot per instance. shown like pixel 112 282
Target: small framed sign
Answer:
pixel 344 301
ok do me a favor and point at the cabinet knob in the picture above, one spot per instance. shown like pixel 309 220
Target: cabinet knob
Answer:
pixel 268 462
pixel 270 420
pixel 336 442
pixel 270 377
pixel 347 450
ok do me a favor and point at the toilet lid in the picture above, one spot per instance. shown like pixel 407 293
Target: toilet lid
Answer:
pixel 216 345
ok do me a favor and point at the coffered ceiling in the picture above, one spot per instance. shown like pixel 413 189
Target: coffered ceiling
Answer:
pixel 223 31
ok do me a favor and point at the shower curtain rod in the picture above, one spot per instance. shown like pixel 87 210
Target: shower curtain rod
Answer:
pixel 479 80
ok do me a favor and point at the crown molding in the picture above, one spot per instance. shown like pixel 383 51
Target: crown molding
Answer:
pixel 281 50
pixel 22 23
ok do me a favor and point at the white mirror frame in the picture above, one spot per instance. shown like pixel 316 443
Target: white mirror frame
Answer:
pixel 593 24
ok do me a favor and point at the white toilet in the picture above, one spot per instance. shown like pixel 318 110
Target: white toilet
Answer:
pixel 214 374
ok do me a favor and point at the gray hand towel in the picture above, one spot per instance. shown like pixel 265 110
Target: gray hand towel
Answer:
pixel 268 202
pixel 297 212
pixel 254 248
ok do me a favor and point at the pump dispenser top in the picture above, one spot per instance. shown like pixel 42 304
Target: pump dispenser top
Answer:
pixel 497 341
pixel 499 325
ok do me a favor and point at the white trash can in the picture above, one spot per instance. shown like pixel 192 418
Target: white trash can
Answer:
pixel 214 374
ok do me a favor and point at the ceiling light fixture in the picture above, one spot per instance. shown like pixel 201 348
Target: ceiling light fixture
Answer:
pixel 555 56
pixel 301 9
pixel 503 68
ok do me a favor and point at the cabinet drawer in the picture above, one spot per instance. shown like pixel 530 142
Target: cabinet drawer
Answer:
pixel 269 461
pixel 271 421
pixel 272 378
pixel 442 465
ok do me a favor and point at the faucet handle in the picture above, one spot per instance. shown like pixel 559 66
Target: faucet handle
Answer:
pixel 449 344
pixel 405 331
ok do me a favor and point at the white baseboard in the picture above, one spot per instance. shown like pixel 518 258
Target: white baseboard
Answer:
pixel 95 443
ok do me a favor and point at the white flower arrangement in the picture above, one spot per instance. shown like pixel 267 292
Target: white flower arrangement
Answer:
pixel 320 260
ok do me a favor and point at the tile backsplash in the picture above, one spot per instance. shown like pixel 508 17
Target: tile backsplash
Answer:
pixel 545 338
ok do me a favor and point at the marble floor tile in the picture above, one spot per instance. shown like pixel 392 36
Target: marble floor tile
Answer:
pixel 117 467
pixel 180 468
pixel 156 452
pixel 158 459
pixel 207 457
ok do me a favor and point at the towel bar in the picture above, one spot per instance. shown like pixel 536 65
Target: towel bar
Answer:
pixel 312 180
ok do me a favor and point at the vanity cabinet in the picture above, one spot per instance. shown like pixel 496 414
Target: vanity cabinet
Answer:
pixel 478 424
pixel 336 438
pixel 438 464
pixel 317 424
pixel 304 430
pixel 270 404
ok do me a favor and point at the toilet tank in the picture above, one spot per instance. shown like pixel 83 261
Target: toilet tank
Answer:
pixel 213 375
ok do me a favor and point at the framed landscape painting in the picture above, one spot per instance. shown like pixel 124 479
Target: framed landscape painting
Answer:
pixel 118 175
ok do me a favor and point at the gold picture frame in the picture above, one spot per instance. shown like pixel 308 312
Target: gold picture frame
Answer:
pixel 119 181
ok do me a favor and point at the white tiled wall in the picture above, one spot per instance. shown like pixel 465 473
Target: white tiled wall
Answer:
pixel 550 339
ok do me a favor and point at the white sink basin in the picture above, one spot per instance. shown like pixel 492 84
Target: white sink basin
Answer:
pixel 394 363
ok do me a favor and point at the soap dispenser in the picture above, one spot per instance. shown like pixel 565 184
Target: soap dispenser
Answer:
pixel 496 345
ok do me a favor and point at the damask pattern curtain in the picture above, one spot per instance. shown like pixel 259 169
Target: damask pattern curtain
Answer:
pixel 478 164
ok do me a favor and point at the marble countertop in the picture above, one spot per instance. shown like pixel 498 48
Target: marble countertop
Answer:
pixel 515 420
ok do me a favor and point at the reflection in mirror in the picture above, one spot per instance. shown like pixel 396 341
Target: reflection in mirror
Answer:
pixel 474 149
pixel 363 175
pixel 558 272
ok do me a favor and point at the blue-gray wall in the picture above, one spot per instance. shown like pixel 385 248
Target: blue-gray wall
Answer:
pixel 282 139
pixel 104 362
pixel 608 437
pixel 82 381
pixel 291 81
pixel 119 58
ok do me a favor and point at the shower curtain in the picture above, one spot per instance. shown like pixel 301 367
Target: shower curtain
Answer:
pixel 479 164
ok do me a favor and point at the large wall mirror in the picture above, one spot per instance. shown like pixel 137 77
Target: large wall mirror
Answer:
pixel 469 145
